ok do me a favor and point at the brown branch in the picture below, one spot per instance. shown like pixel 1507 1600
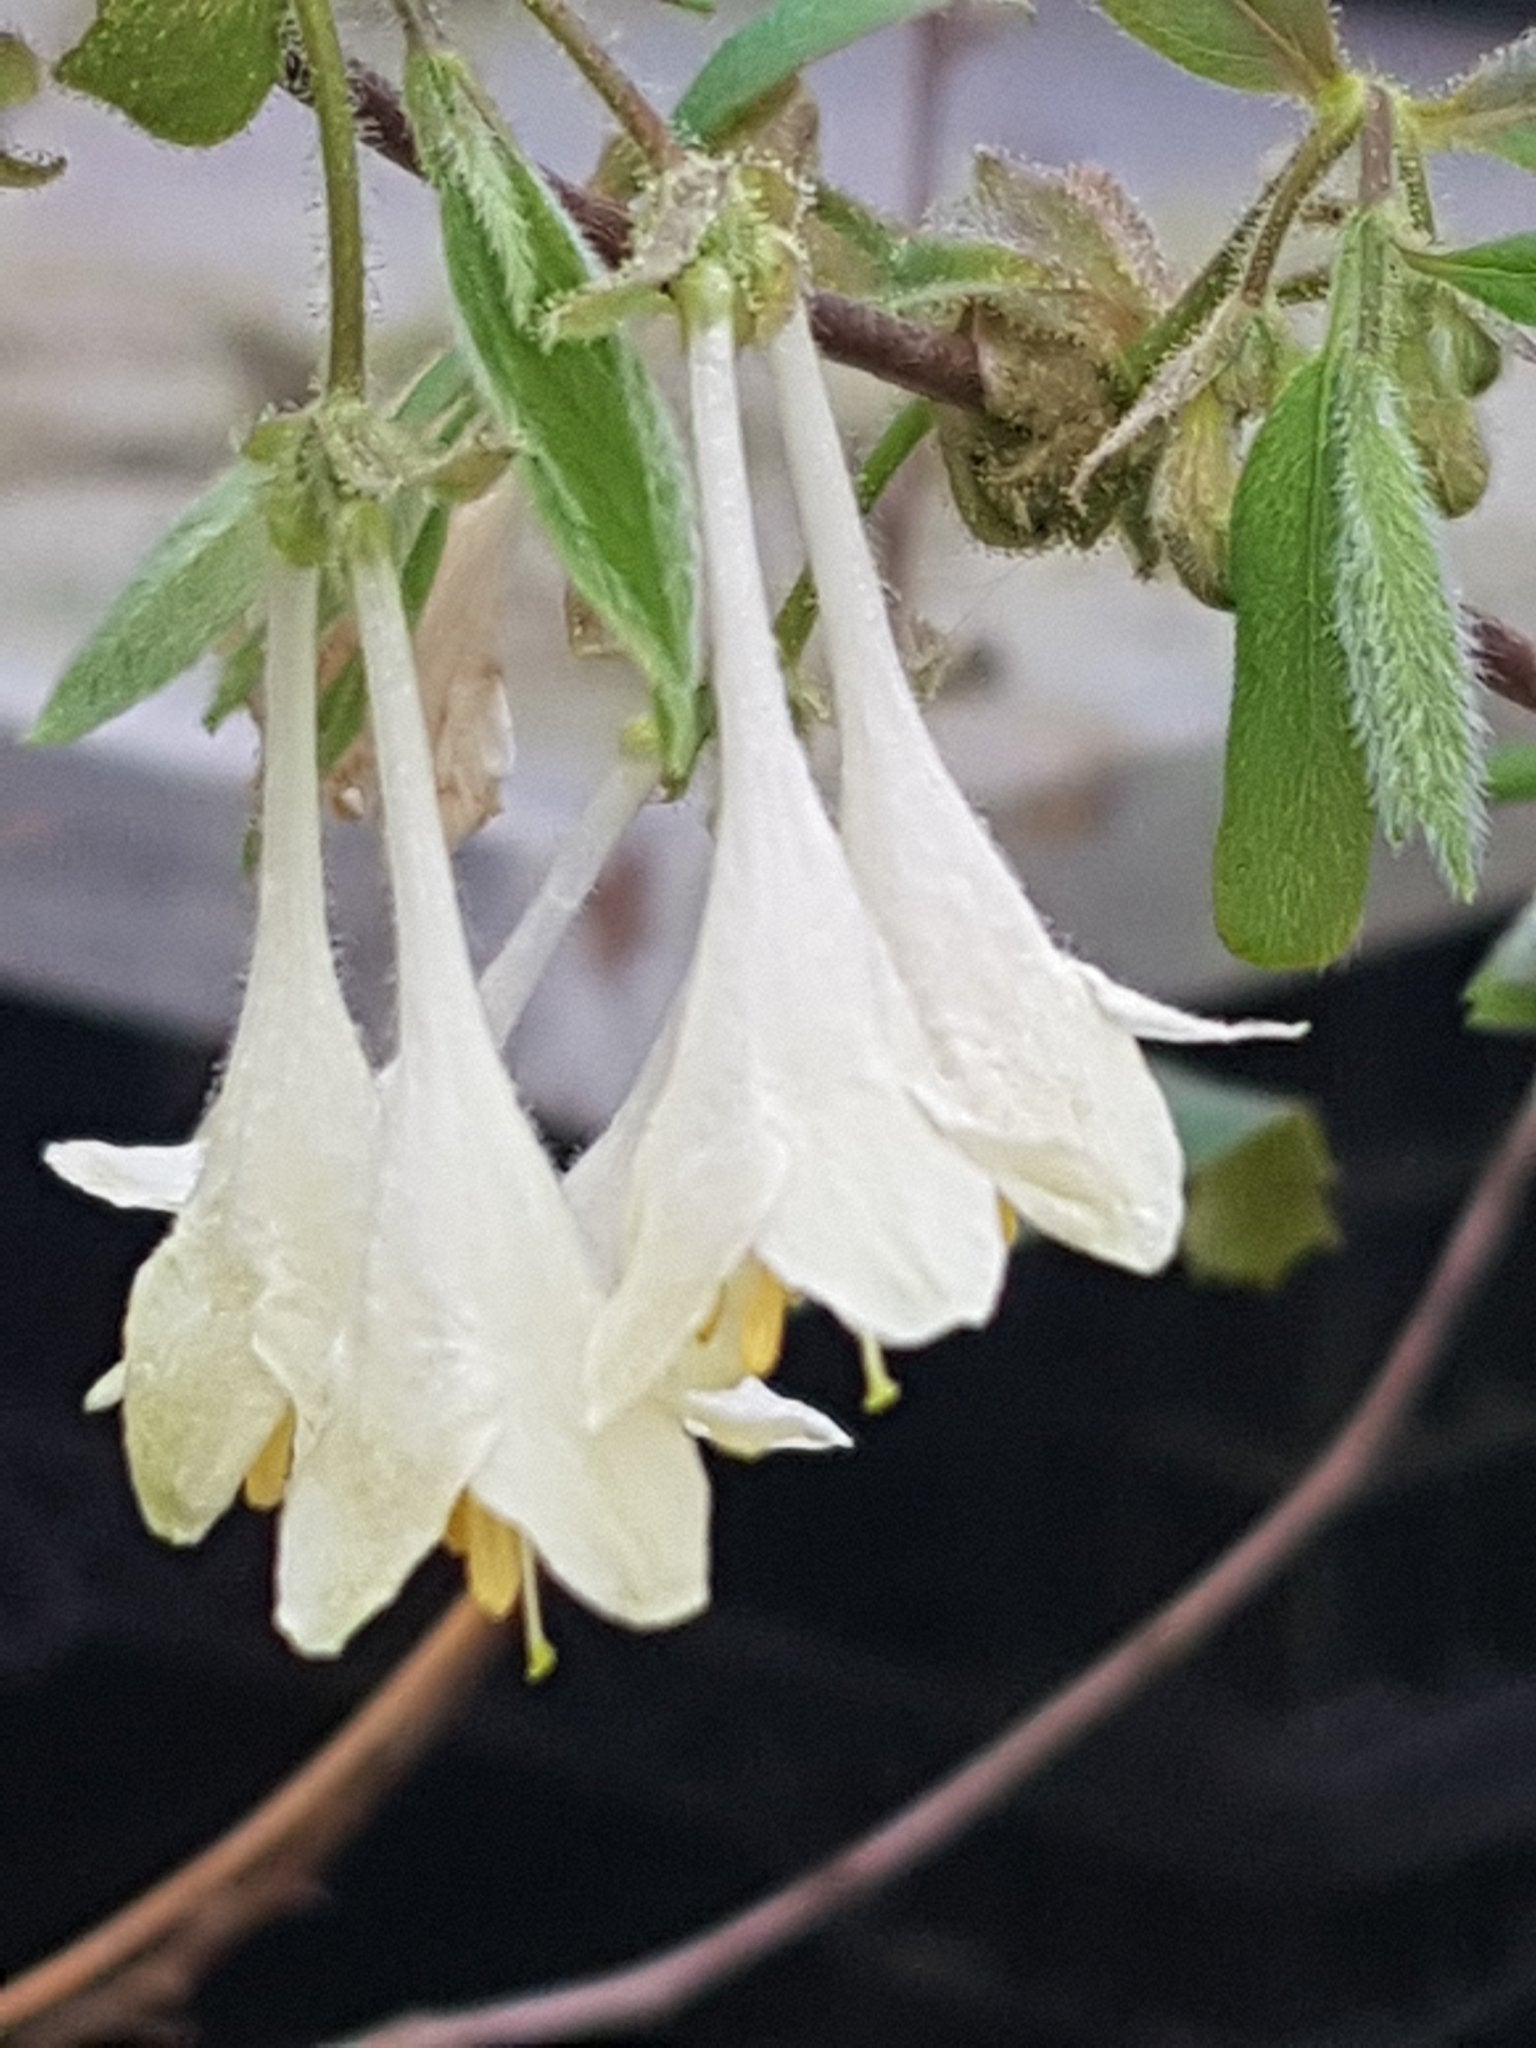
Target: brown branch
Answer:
pixel 128 1973
pixel 918 359
pixel 650 1992
pixel 1505 660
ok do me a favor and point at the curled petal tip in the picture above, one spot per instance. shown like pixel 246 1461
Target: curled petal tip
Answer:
pixel 129 1176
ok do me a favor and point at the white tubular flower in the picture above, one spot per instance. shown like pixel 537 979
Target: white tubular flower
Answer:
pixel 1048 1090
pixel 716 1383
pixel 788 1117
pixel 461 1413
pixel 227 1340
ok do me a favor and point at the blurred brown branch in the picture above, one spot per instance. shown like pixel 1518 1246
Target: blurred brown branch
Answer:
pixel 124 1979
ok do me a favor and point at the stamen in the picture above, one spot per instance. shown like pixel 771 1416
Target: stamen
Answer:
pixel 1009 1218
pixel 492 1560
pixel 762 1322
pixel 881 1391
pixel 539 1654
pixel 268 1476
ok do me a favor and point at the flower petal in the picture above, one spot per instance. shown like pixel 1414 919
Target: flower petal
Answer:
pixel 749 1420
pixel 1146 1018
pixel 129 1176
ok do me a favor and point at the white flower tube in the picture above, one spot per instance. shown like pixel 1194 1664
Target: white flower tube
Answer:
pixel 789 1116
pixel 227 1341
pixel 462 1412
pixel 1049 1092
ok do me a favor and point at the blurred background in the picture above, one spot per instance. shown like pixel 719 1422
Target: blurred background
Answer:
pixel 1324 1836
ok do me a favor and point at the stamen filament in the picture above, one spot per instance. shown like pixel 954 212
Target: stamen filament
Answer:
pixel 539 1654
pixel 881 1390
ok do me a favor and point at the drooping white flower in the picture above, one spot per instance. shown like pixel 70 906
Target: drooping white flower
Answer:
pixel 228 1334
pixel 716 1382
pixel 788 1115
pixel 460 1411
pixel 1045 1085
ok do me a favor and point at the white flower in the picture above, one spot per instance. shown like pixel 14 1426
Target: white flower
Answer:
pixel 227 1340
pixel 1047 1089
pixel 788 1115
pixel 460 1410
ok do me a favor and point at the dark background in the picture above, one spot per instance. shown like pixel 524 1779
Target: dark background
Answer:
pixel 1323 1835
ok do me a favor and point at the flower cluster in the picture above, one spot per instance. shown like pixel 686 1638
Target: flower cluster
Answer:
pixel 379 1308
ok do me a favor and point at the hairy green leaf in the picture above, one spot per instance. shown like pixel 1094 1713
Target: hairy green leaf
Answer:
pixel 196 585
pixel 1501 996
pixel 1260 1179
pixel 1276 46
pixel 919 273
pixel 1293 851
pixel 1502 274
pixel 189 71
pixel 771 49
pixel 1492 110
pixel 1411 692
pixel 595 443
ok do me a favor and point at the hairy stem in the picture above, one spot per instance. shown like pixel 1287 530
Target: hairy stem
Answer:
pixel 326 70
pixel 618 93
pixel 649 1992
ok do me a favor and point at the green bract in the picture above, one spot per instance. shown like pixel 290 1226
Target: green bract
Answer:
pixel 1276 46
pixel 189 71
pixel 597 450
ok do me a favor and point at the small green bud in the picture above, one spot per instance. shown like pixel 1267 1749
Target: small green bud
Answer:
pixel 1192 498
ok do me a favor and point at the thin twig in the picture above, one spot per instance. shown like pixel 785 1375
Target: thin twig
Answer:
pixel 147 1959
pixel 650 1992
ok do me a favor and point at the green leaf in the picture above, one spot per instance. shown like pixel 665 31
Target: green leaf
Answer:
pixel 1502 274
pixel 595 443
pixel 1511 776
pixel 196 585
pixel 771 49
pixel 1260 1179
pixel 909 273
pixel 1501 996
pixel 189 71
pixel 1276 46
pixel 1492 110
pixel 1293 851
pixel 1413 704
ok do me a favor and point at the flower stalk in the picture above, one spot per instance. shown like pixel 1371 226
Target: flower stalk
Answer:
pixel 331 91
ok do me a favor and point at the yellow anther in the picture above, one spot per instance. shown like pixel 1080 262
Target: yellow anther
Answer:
pixel 266 1479
pixel 1009 1217
pixel 492 1558
pixel 539 1653
pixel 762 1321
pixel 881 1391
